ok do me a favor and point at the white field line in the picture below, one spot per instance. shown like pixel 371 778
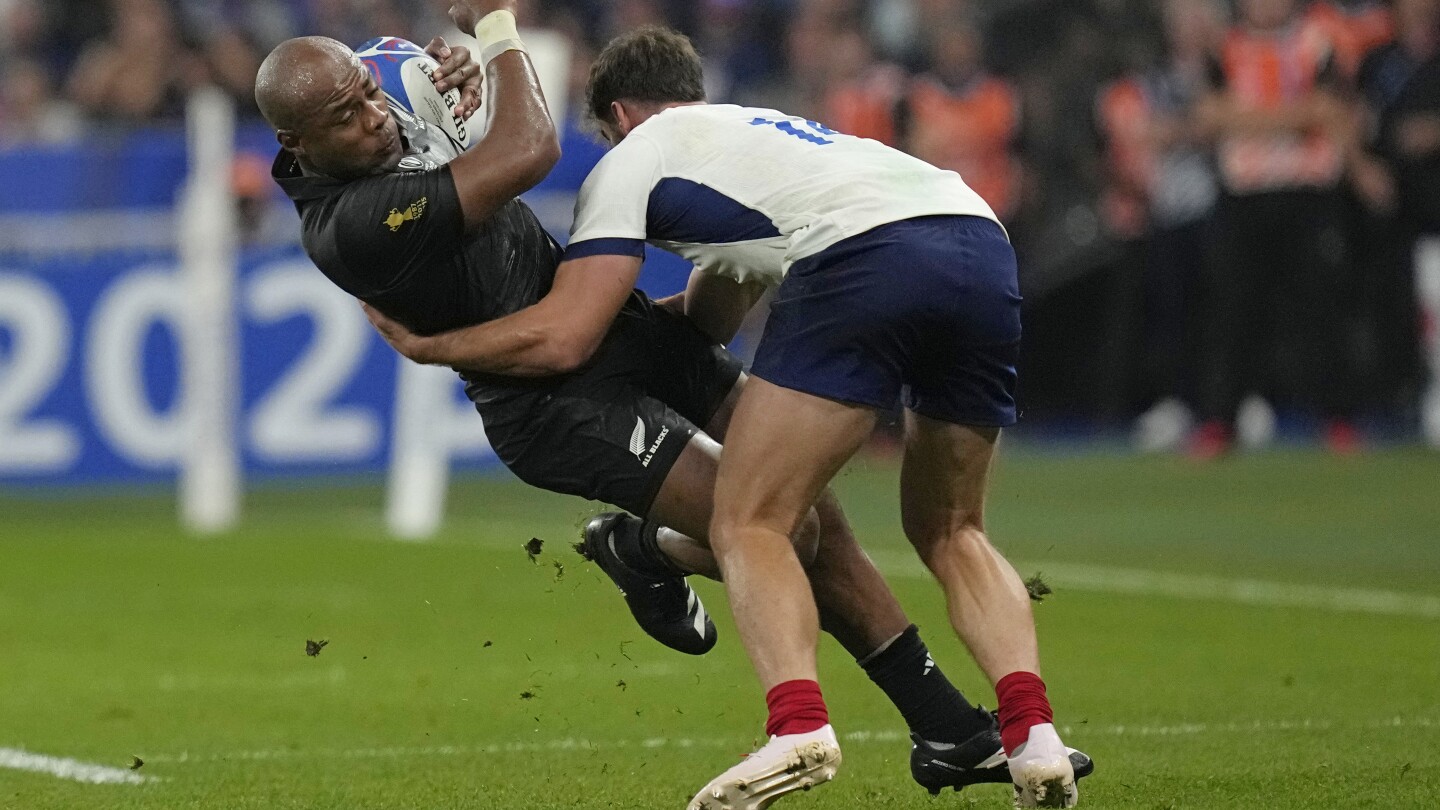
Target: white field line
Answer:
pixel 1105 579
pixel 740 745
pixel 64 768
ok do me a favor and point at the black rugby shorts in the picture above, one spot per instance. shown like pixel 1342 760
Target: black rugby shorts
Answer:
pixel 611 431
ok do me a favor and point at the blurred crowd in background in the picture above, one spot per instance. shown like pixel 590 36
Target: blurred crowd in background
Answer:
pixel 1220 200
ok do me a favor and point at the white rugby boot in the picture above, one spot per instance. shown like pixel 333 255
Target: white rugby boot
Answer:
pixel 1041 771
pixel 783 765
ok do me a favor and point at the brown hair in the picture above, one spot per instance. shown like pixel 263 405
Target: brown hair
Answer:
pixel 652 64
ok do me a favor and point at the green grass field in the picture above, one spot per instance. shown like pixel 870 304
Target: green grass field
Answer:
pixel 1262 633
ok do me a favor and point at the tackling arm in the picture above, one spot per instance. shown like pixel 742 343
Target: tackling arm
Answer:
pixel 556 335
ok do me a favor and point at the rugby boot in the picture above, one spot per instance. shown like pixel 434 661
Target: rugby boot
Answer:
pixel 663 604
pixel 782 765
pixel 1041 772
pixel 977 761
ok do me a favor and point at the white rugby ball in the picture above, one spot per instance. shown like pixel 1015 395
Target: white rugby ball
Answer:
pixel 403 70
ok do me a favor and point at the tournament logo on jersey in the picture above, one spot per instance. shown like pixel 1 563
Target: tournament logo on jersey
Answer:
pixel 413 212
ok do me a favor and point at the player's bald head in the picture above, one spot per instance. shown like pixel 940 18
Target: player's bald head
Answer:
pixel 298 76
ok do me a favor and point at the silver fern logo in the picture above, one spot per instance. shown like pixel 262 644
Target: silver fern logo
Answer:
pixel 637 438
pixel 637 442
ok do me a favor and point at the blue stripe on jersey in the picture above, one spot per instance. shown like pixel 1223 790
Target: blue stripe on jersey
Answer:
pixel 605 247
pixel 685 211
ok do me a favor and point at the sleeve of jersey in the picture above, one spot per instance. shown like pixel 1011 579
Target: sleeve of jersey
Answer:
pixel 611 211
pixel 391 226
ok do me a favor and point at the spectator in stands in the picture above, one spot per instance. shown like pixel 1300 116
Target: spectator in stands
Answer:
pixel 742 42
pixel 29 111
pixel 354 21
pixel 23 30
pixel 1160 189
pixel 232 62
pixel 801 87
pixel 1400 82
pixel 140 70
pixel 863 92
pixel 1277 262
pixel 1353 26
pixel 962 118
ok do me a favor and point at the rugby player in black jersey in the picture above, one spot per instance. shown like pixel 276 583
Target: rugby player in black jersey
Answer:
pixel 436 245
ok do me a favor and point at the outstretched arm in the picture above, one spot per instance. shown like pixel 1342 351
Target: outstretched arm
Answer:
pixel 554 336
pixel 520 146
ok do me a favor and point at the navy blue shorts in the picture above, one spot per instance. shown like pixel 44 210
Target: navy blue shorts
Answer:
pixel 924 312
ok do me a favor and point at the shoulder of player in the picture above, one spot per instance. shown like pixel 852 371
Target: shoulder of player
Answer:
pixel 379 215
pixel 666 124
pixel 636 152
pixel 358 199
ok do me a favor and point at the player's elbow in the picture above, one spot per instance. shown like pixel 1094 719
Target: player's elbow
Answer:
pixel 537 157
pixel 570 352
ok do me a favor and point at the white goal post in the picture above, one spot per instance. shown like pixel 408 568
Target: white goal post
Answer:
pixel 210 477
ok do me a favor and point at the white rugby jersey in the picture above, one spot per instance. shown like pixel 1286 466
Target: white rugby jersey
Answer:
pixel 746 192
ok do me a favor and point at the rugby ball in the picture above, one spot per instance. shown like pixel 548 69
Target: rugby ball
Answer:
pixel 403 70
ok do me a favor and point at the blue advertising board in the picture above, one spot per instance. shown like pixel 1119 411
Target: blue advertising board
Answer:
pixel 90 353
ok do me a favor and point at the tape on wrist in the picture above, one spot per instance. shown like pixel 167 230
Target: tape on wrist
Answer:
pixel 497 34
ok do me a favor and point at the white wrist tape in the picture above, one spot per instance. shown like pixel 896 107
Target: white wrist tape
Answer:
pixel 497 34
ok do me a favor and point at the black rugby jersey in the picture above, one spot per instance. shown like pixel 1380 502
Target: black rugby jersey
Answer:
pixel 397 241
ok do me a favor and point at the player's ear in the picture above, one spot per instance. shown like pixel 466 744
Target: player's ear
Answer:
pixel 623 122
pixel 290 141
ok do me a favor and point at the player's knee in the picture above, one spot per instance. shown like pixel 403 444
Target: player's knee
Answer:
pixel 725 532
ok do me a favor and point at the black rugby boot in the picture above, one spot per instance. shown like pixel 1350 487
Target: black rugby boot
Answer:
pixel 663 603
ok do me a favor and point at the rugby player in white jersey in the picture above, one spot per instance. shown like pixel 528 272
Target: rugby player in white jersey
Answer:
pixel 896 284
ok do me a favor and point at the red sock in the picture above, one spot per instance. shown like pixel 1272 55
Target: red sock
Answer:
pixel 796 707
pixel 1022 704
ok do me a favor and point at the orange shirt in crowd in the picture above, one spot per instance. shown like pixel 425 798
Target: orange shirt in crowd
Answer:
pixel 1124 116
pixel 1353 32
pixel 865 107
pixel 1267 71
pixel 971 131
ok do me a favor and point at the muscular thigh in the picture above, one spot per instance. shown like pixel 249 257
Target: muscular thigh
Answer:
pixel 783 447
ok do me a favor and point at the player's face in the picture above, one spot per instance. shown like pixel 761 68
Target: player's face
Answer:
pixel 352 133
